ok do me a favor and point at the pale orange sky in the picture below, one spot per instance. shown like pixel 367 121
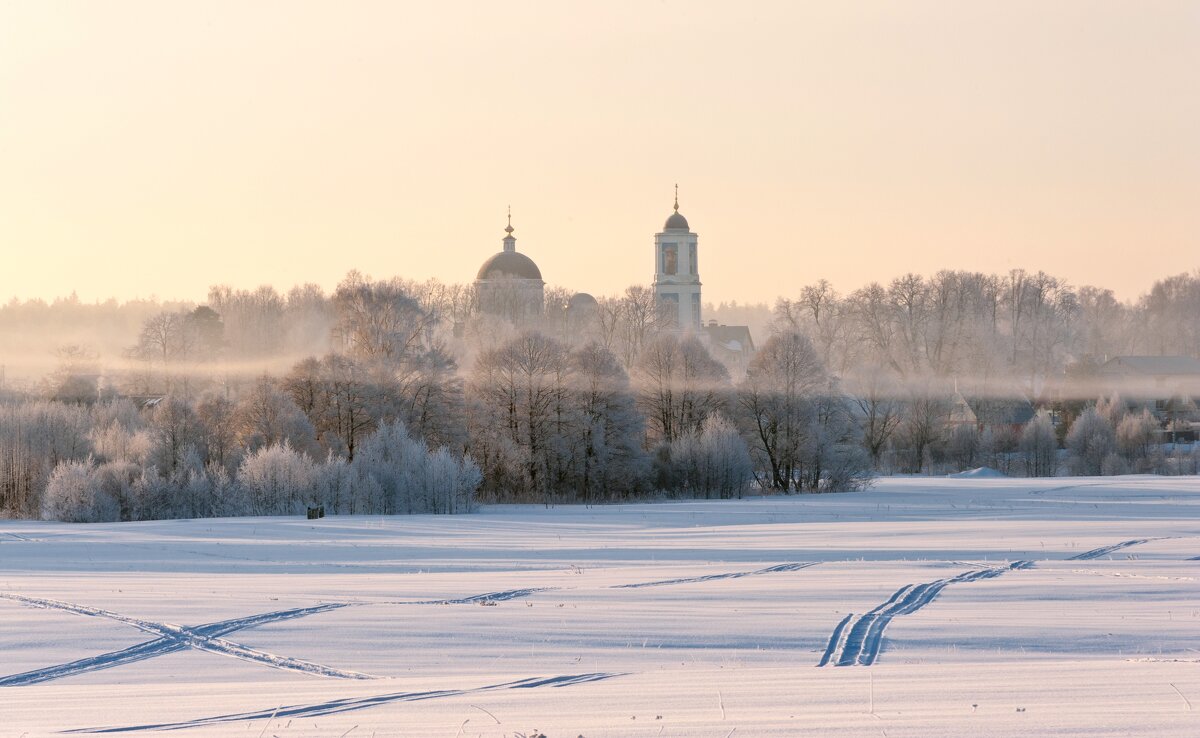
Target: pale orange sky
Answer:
pixel 160 147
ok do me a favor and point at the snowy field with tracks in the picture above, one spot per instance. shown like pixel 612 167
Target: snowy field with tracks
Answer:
pixel 923 607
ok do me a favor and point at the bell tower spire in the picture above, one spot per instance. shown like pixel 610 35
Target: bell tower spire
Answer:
pixel 510 243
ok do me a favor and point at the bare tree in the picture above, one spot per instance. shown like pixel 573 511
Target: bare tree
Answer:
pixel 267 416
pixel 876 398
pixel 380 320
pixel 606 433
pixel 678 386
pixel 922 428
pixel 776 399
pixel 522 389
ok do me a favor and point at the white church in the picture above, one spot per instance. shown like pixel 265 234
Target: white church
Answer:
pixel 510 284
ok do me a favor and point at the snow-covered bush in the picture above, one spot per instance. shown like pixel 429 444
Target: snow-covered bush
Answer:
pixel 73 495
pixel 712 463
pixel 277 480
pixel 392 472
pixel 847 468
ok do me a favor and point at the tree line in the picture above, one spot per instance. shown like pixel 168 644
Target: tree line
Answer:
pixel 395 396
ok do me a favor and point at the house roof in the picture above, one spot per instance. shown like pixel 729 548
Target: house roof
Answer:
pixel 734 338
pixel 998 411
pixel 1153 365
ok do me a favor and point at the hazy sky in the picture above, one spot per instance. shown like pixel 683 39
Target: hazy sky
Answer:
pixel 160 147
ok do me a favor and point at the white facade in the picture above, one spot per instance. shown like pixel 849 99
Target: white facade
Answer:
pixel 677 272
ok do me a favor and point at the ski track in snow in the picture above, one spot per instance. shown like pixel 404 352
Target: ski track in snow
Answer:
pixel 504 596
pixel 712 577
pixel 174 637
pixel 1096 553
pixel 158 647
pixel 207 637
pixel 1069 487
pixel 333 707
pixel 857 640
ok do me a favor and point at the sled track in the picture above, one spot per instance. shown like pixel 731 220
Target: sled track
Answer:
pixel 731 575
pixel 1096 553
pixel 173 638
pixel 858 639
pixel 1069 487
pixel 334 707
pixel 506 595
pixel 177 637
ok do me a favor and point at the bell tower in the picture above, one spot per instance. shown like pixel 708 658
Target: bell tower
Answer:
pixel 677 272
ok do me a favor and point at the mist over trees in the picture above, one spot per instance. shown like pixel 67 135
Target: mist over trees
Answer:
pixel 394 396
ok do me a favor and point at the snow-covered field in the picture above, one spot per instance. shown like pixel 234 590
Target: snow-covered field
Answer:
pixel 924 607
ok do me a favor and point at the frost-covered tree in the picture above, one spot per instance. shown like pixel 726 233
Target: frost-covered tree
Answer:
pixel 1135 436
pixel 254 322
pixel 218 436
pixel 34 438
pixel 833 460
pixel 1090 441
pixel 396 473
pixel 277 480
pixel 711 463
pixel 175 431
pixel 119 432
pixel 1039 447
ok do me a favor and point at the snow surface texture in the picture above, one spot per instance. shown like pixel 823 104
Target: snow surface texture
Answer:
pixel 934 607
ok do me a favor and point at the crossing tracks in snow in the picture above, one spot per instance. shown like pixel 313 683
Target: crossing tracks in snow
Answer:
pixel 207 637
pixel 177 637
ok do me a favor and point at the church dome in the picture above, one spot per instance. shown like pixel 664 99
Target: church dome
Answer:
pixel 581 301
pixel 509 265
pixel 676 223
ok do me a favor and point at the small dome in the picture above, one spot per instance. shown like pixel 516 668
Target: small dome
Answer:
pixel 581 301
pixel 509 265
pixel 676 223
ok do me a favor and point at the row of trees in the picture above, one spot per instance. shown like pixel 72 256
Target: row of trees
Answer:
pixel 1015 328
pixel 112 461
pixel 535 419
pixel 577 406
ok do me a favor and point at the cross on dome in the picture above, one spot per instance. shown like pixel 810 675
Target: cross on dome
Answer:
pixel 676 222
